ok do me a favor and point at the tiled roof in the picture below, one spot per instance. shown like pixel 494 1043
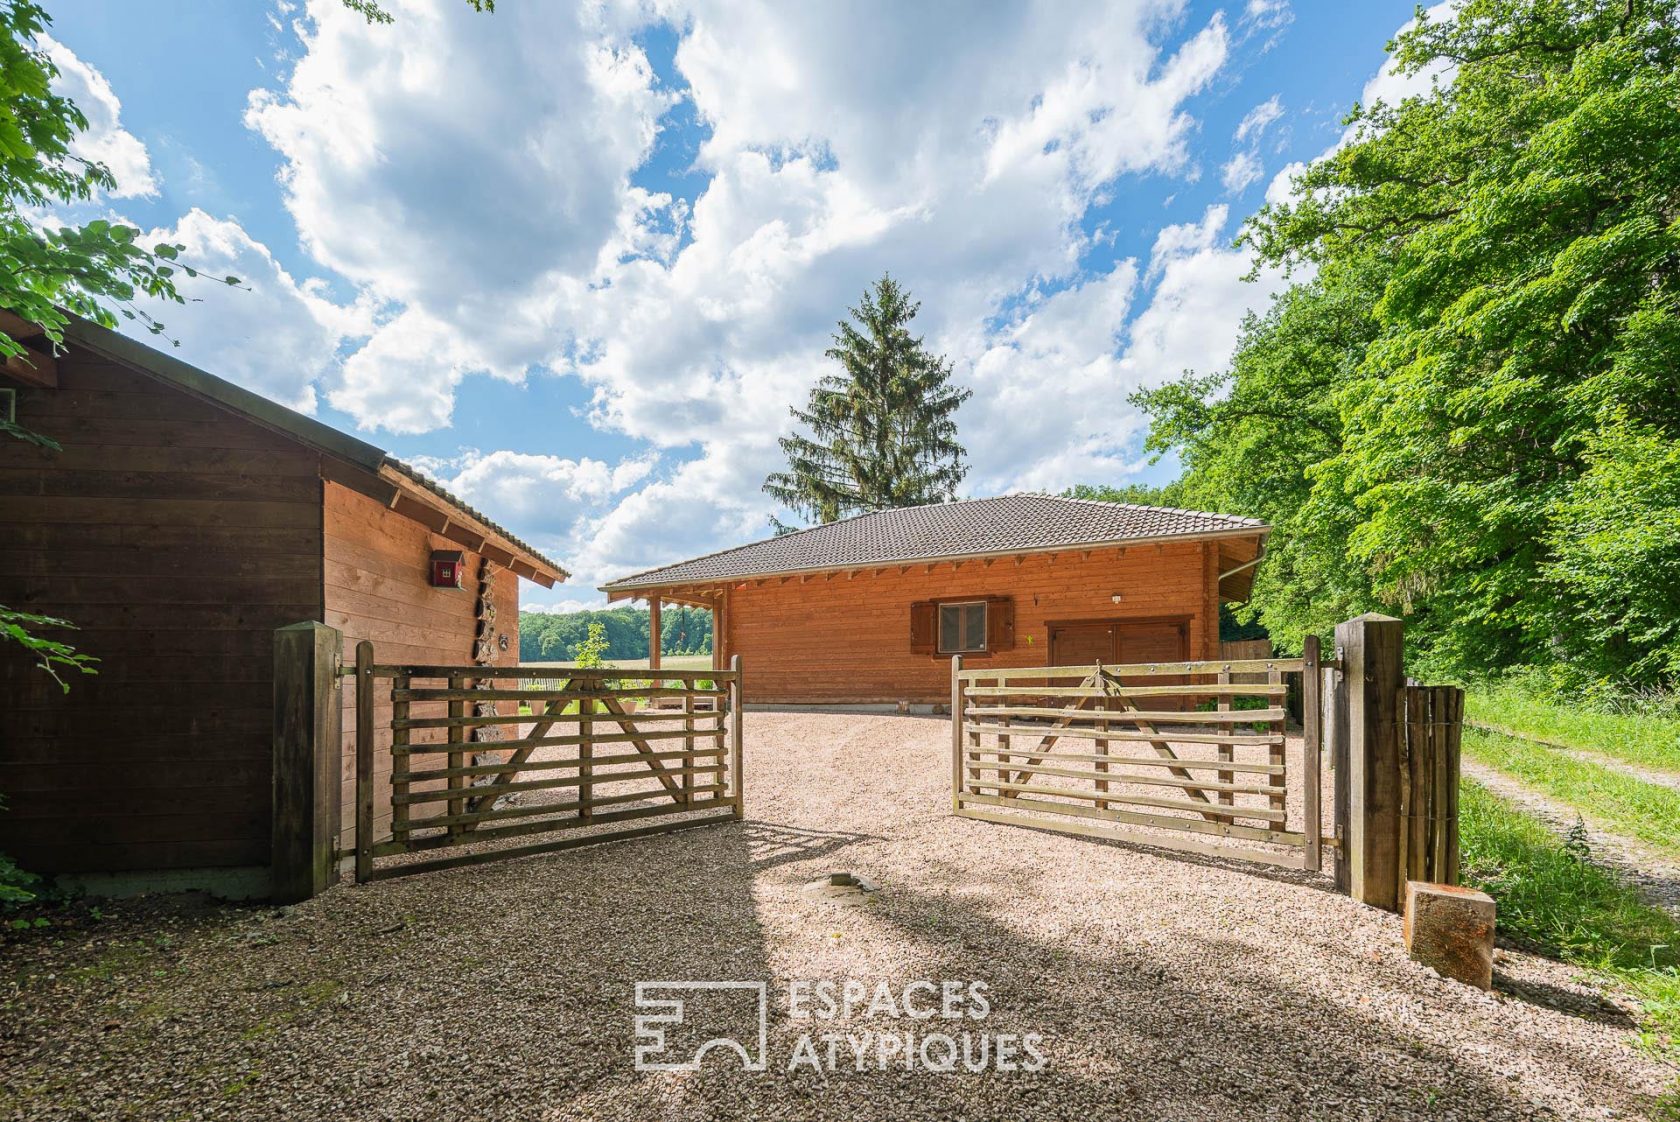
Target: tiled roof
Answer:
pixel 976 527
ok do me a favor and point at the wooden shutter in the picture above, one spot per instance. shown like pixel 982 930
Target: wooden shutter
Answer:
pixel 1000 623
pixel 924 627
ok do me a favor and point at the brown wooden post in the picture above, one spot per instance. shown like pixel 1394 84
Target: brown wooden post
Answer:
pixel 1226 751
pixel 364 762
pixel 457 756
pixel 1372 674
pixel 956 732
pixel 401 761
pixel 308 748
pixel 1101 745
pixel 689 762
pixel 736 726
pixel 586 748
pixel 654 636
pixel 1311 755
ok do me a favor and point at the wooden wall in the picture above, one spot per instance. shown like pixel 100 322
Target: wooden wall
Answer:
pixel 840 638
pixel 178 536
pixel 375 578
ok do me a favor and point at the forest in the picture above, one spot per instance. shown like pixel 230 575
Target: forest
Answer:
pixel 556 636
pixel 1463 410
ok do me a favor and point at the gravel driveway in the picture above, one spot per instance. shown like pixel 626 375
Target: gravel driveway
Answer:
pixel 1161 986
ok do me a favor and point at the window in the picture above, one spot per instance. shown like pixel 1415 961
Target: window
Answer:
pixel 962 628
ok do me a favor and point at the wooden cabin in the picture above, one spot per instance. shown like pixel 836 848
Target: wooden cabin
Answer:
pixel 869 610
pixel 182 522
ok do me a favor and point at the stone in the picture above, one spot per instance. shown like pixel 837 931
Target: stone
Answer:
pixel 1450 929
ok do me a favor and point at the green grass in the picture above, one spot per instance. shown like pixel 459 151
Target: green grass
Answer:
pixel 1625 805
pixel 1553 899
pixel 669 662
pixel 1647 741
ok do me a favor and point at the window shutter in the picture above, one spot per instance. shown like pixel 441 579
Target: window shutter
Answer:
pixel 924 622
pixel 1000 623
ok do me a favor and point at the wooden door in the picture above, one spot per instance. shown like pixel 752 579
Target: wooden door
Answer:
pixel 1081 644
pixel 1153 642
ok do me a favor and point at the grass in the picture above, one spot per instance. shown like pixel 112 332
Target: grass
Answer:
pixel 1643 740
pixel 669 662
pixel 1649 812
pixel 1553 899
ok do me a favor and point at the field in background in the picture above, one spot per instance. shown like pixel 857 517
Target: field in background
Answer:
pixel 669 662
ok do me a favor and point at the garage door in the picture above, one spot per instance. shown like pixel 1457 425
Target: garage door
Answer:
pixel 1076 644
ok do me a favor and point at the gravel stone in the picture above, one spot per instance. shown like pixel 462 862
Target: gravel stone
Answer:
pixel 1164 986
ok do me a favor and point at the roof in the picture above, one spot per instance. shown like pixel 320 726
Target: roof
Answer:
pixel 469 525
pixel 1000 526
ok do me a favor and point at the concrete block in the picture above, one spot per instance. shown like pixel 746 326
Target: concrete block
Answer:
pixel 1450 929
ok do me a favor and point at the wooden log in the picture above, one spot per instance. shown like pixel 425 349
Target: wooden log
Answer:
pixel 1277 753
pixel 581 675
pixel 1142 669
pixel 308 747
pixel 595 777
pixel 457 740
pixel 1122 778
pixel 399 741
pixel 1166 716
pixel 680 756
pixel 1227 751
pixel 1128 736
pixel 1371 653
pixel 1142 818
pixel 1311 756
pixel 1101 743
pixel 1221 689
pixel 364 762
pixel 1242 766
pixel 563 812
pixel 586 753
pixel 737 743
pixel 542 696
pixel 957 721
pixel 1264 814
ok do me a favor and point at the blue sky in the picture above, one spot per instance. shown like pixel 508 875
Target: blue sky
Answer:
pixel 578 262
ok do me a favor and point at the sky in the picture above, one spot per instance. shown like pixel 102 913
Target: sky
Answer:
pixel 578 262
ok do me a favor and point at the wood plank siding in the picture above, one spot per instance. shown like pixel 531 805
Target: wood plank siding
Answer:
pixel 845 637
pixel 177 535
pixel 375 580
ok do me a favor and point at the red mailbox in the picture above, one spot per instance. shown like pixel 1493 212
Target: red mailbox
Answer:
pixel 448 568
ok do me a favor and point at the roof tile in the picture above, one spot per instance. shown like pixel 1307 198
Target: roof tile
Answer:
pixel 1006 524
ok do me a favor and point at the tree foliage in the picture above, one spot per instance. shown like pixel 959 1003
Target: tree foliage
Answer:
pixel 561 636
pixel 883 432
pixel 1466 411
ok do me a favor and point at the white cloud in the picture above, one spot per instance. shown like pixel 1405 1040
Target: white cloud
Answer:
pixel 1240 171
pixel 273 334
pixel 544 494
pixel 104 141
pixel 1244 168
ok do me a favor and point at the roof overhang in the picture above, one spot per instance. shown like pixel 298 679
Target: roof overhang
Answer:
pixel 634 589
pixel 344 459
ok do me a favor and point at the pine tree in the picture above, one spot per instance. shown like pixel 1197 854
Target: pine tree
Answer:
pixel 883 432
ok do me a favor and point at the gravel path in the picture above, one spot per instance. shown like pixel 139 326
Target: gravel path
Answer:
pixel 1163 987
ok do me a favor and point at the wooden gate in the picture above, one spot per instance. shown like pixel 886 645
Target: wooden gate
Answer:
pixel 1182 755
pixel 587 754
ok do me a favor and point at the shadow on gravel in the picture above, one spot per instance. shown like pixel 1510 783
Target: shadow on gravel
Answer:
pixel 773 843
pixel 1588 1006
pixel 1130 1033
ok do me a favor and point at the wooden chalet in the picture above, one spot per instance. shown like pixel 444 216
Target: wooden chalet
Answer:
pixel 869 610
pixel 185 520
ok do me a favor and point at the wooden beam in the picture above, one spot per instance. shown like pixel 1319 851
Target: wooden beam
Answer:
pixel 654 634
pixel 464 535
pixel 19 328
pixel 33 368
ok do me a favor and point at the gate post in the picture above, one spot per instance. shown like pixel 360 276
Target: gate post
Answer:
pixel 1369 697
pixel 308 718
pixel 736 728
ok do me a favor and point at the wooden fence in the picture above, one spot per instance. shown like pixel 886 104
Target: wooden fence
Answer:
pixel 1429 767
pixel 1186 751
pixel 587 754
